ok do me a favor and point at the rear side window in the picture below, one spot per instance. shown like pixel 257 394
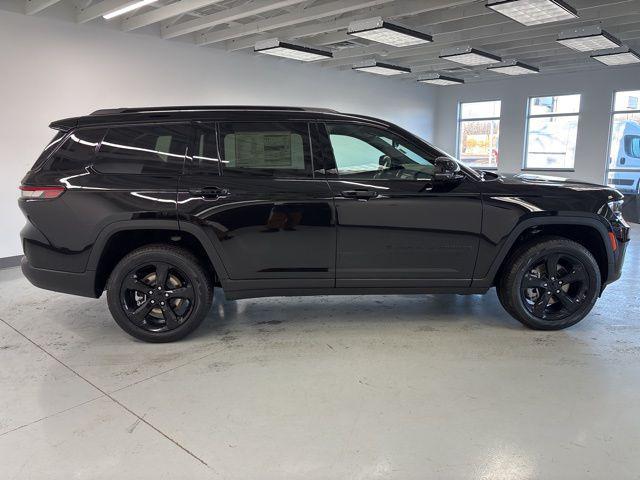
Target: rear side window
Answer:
pixel 269 148
pixel 144 149
pixel 77 151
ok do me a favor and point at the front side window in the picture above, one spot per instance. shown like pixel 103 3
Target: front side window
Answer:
pixel 144 149
pixel 552 129
pixel 269 148
pixel 624 148
pixel 479 133
pixel 361 151
pixel 77 151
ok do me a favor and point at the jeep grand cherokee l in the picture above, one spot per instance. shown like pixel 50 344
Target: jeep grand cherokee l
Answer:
pixel 158 206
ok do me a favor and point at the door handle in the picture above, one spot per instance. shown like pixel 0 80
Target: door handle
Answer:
pixel 359 194
pixel 209 192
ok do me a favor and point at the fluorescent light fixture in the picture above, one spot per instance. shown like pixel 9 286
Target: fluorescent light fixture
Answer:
pixel 275 47
pixel 380 68
pixel 513 67
pixel 437 79
pixel 469 56
pixel 533 12
pixel 619 56
pixel 377 30
pixel 588 39
pixel 128 8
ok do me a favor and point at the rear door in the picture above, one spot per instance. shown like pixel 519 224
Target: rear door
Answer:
pixel 251 186
pixel 396 225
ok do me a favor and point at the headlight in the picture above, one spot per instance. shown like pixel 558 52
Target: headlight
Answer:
pixel 612 210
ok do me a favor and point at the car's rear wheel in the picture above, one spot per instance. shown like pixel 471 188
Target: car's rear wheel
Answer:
pixel 159 293
pixel 550 283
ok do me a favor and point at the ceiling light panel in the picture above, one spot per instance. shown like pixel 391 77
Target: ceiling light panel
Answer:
pixel 380 31
pixel 625 57
pixel 379 68
pixel 514 68
pixel 127 9
pixel 302 53
pixel 533 12
pixel 469 56
pixel 588 39
pixel 437 79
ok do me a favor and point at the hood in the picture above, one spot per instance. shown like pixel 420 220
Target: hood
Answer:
pixel 552 183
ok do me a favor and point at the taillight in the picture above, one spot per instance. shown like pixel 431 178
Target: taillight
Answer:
pixel 40 193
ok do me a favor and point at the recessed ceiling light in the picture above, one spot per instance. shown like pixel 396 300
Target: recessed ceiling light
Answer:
pixel 588 39
pixel 380 68
pixel 275 47
pixel 533 12
pixel 620 56
pixel 469 56
pixel 378 30
pixel 128 8
pixel 437 79
pixel 514 68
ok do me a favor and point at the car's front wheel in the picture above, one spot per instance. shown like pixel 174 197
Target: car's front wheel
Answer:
pixel 159 293
pixel 550 283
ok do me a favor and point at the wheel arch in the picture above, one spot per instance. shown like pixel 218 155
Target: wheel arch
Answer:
pixel 590 232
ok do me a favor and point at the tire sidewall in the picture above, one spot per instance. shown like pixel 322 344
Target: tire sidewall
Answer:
pixel 183 263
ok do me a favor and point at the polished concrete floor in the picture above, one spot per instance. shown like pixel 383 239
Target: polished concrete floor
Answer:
pixel 398 387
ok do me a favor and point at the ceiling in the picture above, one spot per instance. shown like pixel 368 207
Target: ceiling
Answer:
pixel 236 25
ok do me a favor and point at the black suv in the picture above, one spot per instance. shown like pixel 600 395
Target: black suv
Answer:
pixel 158 206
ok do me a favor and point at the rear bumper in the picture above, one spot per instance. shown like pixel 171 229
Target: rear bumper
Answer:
pixel 82 284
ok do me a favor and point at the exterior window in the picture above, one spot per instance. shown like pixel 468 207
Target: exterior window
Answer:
pixel 273 149
pixel 624 150
pixel 478 133
pixel 361 151
pixel 205 154
pixel 77 151
pixel 144 149
pixel 552 128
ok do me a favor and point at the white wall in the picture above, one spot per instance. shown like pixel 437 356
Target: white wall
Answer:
pixel 597 88
pixel 54 68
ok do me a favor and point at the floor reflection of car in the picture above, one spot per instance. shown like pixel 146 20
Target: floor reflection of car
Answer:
pixel 625 155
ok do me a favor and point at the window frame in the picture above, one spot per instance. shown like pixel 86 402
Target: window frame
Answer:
pixel 178 172
pixel 459 121
pixel 310 138
pixel 528 116
pixel 612 114
pixel 334 171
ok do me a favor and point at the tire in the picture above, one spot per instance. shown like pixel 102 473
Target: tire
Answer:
pixel 532 293
pixel 156 310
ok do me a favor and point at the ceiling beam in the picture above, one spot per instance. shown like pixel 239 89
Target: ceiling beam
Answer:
pixel 255 7
pixel 163 13
pixel 96 10
pixel 34 6
pixel 439 11
pixel 306 15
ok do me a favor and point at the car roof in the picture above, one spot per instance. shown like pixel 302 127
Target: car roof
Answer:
pixel 204 112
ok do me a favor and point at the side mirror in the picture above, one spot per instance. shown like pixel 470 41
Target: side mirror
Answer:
pixel 446 169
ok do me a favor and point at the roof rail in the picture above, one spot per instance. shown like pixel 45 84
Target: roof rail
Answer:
pixel 187 108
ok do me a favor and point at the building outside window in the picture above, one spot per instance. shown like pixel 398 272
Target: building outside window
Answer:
pixel 552 129
pixel 623 168
pixel 478 133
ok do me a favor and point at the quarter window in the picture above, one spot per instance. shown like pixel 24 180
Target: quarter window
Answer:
pixel 144 149
pixel 272 149
pixel 77 151
pixel 479 133
pixel 552 129
pixel 361 151
pixel 624 148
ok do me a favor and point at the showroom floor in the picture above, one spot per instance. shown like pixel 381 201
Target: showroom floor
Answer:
pixel 406 387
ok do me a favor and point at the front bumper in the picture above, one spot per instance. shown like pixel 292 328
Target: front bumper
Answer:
pixel 621 231
pixel 82 284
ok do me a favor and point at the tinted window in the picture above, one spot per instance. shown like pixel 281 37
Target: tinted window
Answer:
pixel 632 145
pixel 205 156
pixel 144 149
pixel 77 151
pixel 277 149
pixel 367 152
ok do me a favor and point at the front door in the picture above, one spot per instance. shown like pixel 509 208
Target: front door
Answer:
pixel 396 225
pixel 251 186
